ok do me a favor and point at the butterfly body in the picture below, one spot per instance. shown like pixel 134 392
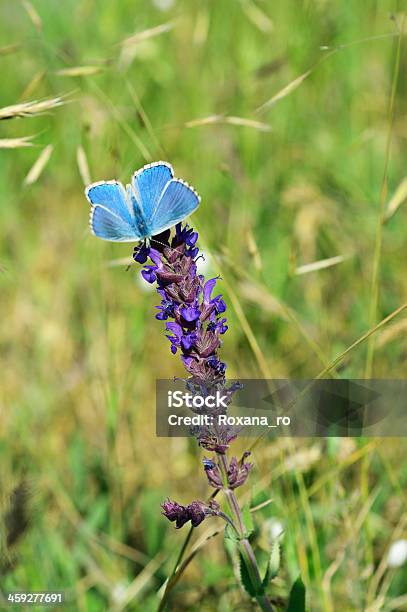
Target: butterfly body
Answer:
pixel 152 203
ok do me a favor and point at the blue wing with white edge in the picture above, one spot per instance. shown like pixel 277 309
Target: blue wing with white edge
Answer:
pixel 177 201
pixel 148 185
pixel 109 226
pixel 112 196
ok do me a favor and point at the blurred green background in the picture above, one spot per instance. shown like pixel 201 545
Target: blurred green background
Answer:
pixel 284 184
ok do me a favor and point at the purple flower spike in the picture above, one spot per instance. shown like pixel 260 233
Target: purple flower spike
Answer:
pixel 194 323
pixel 187 303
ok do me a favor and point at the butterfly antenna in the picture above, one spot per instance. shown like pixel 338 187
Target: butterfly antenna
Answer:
pixel 147 241
pixel 167 246
pixel 162 244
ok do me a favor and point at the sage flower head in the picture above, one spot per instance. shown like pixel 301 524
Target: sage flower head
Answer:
pixel 194 321
pixel 196 512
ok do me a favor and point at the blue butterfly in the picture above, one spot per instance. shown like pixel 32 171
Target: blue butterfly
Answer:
pixel 154 202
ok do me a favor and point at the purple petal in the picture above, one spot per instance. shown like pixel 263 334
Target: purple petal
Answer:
pixel 188 341
pixel 207 290
pixel 149 274
pixel 190 313
pixel 187 360
pixel 171 509
pixel 155 256
pixel 191 240
pixel 141 253
pixel 220 304
pixel 175 329
pixel 161 316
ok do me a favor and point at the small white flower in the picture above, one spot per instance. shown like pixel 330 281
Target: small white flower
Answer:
pixel 164 5
pixel 397 553
pixel 119 592
pixel 275 528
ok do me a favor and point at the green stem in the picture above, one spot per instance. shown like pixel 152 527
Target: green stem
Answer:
pixel 374 290
pixel 172 576
pixel 245 548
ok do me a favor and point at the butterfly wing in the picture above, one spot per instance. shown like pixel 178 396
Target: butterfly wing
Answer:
pixel 111 217
pixel 177 201
pixel 112 196
pixel 109 226
pixel 148 185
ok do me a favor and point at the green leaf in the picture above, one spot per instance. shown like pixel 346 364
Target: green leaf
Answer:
pixel 230 545
pixel 232 551
pixel 231 535
pixel 245 578
pixel 247 520
pixel 296 602
pixel 273 564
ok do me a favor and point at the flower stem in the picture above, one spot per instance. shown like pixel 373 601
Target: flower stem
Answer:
pixel 172 576
pixel 245 548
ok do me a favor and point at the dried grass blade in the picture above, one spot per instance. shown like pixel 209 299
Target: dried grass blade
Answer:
pixel 30 109
pixel 32 85
pixel 399 197
pixel 251 123
pixel 320 265
pixel 146 34
pixel 9 49
pixel 397 331
pixel 39 165
pixel 33 15
pixel 15 143
pixel 75 71
pixel 209 120
pixel 83 165
pixel 229 120
pixel 258 17
pixel 284 92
